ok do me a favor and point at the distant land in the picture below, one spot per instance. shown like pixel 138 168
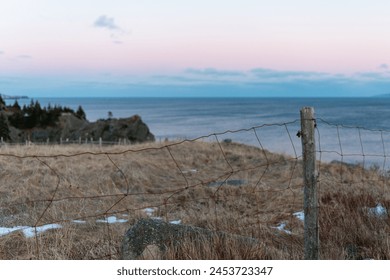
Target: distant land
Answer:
pixel 4 96
pixel 386 95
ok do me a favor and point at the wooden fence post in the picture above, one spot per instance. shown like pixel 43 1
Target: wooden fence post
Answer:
pixel 311 242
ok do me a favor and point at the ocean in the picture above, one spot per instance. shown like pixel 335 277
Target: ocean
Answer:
pixel 355 130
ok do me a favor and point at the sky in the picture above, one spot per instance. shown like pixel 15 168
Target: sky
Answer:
pixel 189 48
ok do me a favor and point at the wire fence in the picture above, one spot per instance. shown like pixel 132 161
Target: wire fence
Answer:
pixel 353 191
pixel 76 202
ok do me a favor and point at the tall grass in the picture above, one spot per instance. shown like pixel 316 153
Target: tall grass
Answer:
pixel 226 187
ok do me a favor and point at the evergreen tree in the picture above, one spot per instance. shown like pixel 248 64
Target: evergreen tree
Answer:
pixel 4 128
pixel 16 105
pixel 2 102
pixel 33 115
pixel 38 113
pixel 80 113
pixel 17 119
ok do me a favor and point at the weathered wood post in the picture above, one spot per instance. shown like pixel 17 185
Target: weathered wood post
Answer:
pixel 311 242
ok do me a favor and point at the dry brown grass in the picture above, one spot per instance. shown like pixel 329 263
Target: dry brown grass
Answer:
pixel 227 187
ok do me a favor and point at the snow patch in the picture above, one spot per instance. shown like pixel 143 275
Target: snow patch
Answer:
pixel 190 171
pixel 28 231
pixel 149 211
pixel 79 222
pixel 112 220
pixel 173 222
pixel 282 227
pixel 299 215
pixel 5 231
pixel 379 211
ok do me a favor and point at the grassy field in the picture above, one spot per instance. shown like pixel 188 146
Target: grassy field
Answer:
pixel 90 196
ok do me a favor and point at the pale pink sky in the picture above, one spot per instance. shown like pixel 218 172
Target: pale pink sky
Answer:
pixel 96 38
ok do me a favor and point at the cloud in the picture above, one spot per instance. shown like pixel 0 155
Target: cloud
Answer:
pixel 270 79
pixel 270 82
pixel 1 52
pixel 116 32
pixel 24 56
pixel 199 83
pixel 384 66
pixel 197 76
pixel 106 22
pixel 265 73
pixel 374 76
pixel 213 72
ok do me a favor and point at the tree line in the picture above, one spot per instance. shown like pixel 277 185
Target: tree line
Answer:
pixel 32 116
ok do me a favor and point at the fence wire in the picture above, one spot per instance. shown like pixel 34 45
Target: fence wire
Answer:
pixel 76 202
pixel 353 190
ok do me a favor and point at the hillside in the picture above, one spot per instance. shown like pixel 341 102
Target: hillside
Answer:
pixel 55 124
pixel 76 202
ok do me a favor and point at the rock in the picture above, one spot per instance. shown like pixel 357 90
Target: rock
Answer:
pixel 69 125
pixel 112 130
pixel 147 232
pixel 231 182
pixel 72 128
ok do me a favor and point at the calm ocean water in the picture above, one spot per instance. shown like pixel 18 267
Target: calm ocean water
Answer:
pixel 191 118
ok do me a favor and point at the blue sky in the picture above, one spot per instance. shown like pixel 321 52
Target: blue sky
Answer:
pixel 195 48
